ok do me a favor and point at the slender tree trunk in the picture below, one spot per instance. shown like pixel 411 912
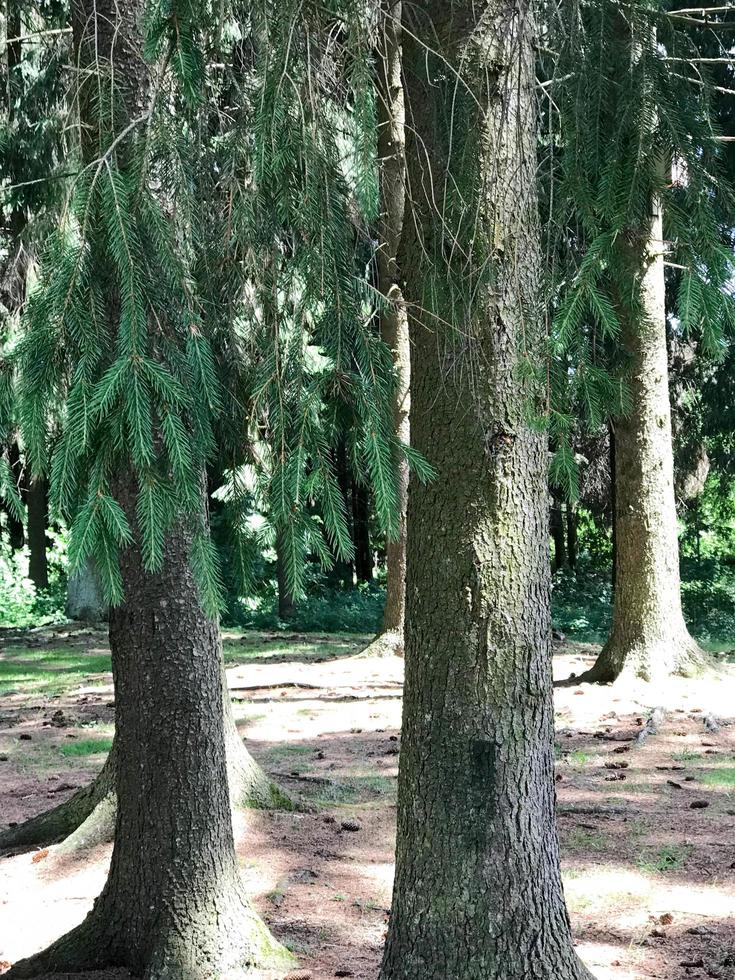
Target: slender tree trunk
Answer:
pixel 394 319
pixel 16 534
pixel 361 532
pixel 37 503
pixel 478 893
pixel 344 570
pixel 286 603
pixel 571 534
pixel 557 532
pixel 613 504
pixel 649 637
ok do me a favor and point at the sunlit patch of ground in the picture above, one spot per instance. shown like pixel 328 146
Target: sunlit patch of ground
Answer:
pixel 650 880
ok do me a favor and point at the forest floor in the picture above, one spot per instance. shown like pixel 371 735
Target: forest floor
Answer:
pixel 647 827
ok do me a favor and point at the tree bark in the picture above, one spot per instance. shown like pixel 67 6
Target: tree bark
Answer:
pixel 557 532
pixel 185 914
pixel 649 637
pixel 84 600
pixel 571 534
pixel 37 504
pixel 394 317
pixel 361 532
pixel 286 603
pixel 478 893
pixel 173 906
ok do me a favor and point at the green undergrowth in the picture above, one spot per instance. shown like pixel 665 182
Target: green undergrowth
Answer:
pixel 582 602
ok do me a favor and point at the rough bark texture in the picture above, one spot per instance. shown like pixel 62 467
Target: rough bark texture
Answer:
pixel 84 600
pixel 37 503
pixel 88 817
pixel 173 906
pixel 478 893
pixel 394 319
pixel 649 636
pixel 183 915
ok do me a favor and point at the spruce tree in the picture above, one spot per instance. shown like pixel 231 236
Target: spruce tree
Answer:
pixel 143 440
pixel 636 191
pixel 478 892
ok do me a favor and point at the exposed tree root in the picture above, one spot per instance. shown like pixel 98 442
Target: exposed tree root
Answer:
pixel 653 725
pixel 68 818
pixel 229 941
pixel 387 644
pixel 88 817
pixel 645 661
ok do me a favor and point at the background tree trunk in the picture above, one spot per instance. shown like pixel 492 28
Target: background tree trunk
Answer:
pixel 16 533
pixel 361 532
pixel 649 636
pixel 478 892
pixel 84 600
pixel 37 504
pixel 613 505
pixel 286 602
pixel 571 534
pixel 394 319
pixel 556 515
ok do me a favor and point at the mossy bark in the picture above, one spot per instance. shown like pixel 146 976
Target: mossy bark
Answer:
pixel 649 638
pixel 478 892
pixel 183 915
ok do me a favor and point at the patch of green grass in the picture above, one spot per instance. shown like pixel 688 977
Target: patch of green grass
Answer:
pixel 354 789
pixel 86 746
pixel 246 647
pixel 286 752
pixel 586 840
pixel 49 671
pixel 670 857
pixel 686 756
pixel 719 777
pixel 577 758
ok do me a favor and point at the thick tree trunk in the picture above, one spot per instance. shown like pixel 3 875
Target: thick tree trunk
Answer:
pixel 84 600
pixel 183 915
pixel 649 637
pixel 478 893
pixel 173 906
pixel 361 532
pixel 394 319
pixel 37 503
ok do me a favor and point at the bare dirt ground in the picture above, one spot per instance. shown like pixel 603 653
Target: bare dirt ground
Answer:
pixel 646 825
